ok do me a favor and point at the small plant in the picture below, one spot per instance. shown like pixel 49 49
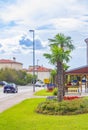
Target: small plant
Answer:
pixel 55 91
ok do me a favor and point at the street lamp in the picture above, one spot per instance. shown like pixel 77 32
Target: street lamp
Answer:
pixel 33 59
pixel 37 68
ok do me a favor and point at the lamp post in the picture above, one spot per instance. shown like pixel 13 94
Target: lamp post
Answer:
pixel 37 67
pixel 33 59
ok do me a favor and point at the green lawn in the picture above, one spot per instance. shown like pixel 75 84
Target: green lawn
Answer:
pixel 43 92
pixel 24 117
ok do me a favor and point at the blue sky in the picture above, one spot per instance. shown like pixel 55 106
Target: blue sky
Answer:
pixel 47 18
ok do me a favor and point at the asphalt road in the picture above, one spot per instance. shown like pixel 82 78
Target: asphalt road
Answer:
pixel 7 100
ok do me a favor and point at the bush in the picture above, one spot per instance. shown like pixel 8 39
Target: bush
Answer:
pixel 17 76
pixel 66 107
pixel 55 91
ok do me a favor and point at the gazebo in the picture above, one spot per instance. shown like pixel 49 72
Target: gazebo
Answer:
pixel 78 77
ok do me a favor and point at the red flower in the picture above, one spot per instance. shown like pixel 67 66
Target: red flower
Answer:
pixel 70 97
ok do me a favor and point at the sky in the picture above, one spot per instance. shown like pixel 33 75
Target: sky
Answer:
pixel 47 18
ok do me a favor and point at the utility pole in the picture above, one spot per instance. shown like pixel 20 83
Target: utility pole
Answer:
pixel 33 59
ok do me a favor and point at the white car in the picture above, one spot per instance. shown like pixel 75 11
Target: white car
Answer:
pixel 39 84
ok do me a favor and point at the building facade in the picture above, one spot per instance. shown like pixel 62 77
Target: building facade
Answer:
pixel 12 64
pixel 41 72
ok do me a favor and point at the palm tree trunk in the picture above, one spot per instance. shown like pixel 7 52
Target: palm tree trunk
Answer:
pixel 64 80
pixel 60 81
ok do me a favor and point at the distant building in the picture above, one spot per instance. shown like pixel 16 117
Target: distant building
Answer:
pixel 12 64
pixel 41 72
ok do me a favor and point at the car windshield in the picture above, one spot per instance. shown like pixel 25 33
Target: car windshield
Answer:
pixel 10 84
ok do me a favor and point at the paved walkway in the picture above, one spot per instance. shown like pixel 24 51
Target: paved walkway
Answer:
pixel 76 94
pixel 11 101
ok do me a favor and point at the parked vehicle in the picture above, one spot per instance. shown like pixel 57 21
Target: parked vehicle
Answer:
pixel 51 86
pixel 39 84
pixel 3 83
pixel 10 88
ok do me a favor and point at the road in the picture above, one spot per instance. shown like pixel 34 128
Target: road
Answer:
pixel 9 99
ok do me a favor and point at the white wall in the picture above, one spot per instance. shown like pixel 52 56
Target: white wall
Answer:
pixel 11 66
pixel 42 75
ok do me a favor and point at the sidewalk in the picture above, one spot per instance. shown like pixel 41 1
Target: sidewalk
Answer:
pixel 11 101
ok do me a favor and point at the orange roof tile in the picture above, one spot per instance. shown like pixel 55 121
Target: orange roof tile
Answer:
pixel 39 69
pixel 5 61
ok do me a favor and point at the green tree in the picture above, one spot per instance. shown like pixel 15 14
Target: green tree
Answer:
pixel 53 76
pixel 29 78
pixel 17 76
pixel 60 48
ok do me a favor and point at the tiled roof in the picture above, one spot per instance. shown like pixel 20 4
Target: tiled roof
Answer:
pixel 80 70
pixel 39 69
pixel 5 61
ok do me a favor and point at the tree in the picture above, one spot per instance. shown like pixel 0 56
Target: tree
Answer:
pixel 53 76
pixel 60 48
pixel 17 76
pixel 62 41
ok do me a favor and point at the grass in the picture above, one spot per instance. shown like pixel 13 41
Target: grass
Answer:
pixel 44 92
pixel 24 117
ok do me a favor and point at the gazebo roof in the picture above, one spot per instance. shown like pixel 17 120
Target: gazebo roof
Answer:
pixel 79 70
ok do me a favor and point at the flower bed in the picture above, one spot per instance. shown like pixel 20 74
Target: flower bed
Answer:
pixel 70 97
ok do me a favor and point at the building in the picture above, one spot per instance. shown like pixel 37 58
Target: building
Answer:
pixel 79 74
pixel 41 72
pixel 12 64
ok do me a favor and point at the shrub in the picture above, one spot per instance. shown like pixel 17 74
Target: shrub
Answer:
pixel 66 107
pixel 55 91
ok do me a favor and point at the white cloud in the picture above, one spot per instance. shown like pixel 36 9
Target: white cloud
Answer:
pixel 60 15
pixel 67 23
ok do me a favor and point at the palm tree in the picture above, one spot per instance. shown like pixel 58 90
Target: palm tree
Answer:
pixel 53 76
pixel 60 49
pixel 62 41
